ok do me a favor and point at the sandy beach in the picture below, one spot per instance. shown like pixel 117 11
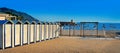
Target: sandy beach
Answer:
pixel 66 44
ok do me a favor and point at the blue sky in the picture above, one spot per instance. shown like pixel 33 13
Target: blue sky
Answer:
pixel 65 10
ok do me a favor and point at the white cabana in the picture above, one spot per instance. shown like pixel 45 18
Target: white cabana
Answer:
pixel 50 30
pixel 6 34
pixel 46 31
pixel 33 32
pixel 25 32
pixel 57 29
pixel 42 30
pixel 53 30
pixel 18 33
pixel 38 32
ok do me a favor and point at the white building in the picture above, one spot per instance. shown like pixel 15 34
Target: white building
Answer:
pixel 4 16
pixel 6 34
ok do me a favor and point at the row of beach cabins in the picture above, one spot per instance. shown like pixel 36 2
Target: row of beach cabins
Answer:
pixel 19 33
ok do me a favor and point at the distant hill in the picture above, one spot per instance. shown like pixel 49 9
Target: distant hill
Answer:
pixel 19 15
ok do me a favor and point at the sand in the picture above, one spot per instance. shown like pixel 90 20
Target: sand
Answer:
pixel 69 45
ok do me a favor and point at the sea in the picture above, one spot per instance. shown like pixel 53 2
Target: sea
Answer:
pixel 92 26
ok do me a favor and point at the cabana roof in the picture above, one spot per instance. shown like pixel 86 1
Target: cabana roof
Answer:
pixel 17 21
pixel 43 22
pixel 47 22
pixel 6 21
pixel 25 22
pixel 50 23
pixel 33 22
pixel 39 22
pixel 53 22
pixel 56 23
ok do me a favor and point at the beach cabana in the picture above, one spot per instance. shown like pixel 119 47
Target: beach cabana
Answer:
pixel 42 31
pixel 33 32
pixel 53 30
pixel 25 32
pixel 55 26
pixel 46 31
pixel 50 30
pixel 38 32
pixel 57 29
pixel 18 33
pixel 6 34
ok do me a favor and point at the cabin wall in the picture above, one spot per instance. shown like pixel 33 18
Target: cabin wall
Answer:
pixel 17 34
pixel 58 28
pixel 50 31
pixel 25 33
pixel 44 32
pixel 47 35
pixel 1 35
pixel 8 35
pixel 32 33
pixel 38 32
pixel 54 30
pixel 35 33
pixel 43 35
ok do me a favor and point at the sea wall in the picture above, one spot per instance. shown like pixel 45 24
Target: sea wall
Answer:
pixel 89 33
